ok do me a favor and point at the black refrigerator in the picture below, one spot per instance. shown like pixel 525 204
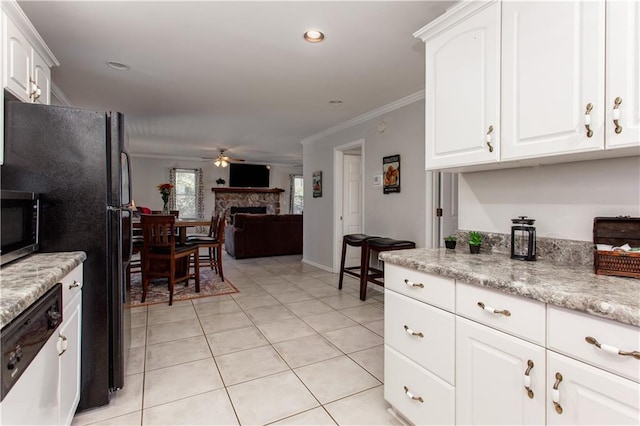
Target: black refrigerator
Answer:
pixel 76 160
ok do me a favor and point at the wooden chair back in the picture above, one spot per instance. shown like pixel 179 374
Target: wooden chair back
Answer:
pixel 158 231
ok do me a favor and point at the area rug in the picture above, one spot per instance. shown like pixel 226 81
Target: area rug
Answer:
pixel 158 291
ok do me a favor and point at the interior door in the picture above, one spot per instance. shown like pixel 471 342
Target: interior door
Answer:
pixel 352 202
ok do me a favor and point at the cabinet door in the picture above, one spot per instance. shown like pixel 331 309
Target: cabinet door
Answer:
pixel 18 61
pixel 623 65
pixel 462 91
pixel 42 79
pixel 552 67
pixel 588 395
pixel 69 359
pixel 491 369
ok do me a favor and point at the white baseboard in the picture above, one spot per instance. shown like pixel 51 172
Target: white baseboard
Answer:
pixel 317 265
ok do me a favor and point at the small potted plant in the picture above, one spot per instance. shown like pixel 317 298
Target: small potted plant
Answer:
pixel 220 181
pixel 450 242
pixel 475 240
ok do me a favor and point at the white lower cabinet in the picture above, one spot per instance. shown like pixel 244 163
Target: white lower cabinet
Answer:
pixel 421 397
pixel 580 394
pixel 499 378
pixel 457 353
pixel 69 359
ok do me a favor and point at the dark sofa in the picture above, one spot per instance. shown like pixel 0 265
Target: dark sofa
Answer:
pixel 256 235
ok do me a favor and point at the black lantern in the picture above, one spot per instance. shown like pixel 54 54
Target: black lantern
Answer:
pixel 523 239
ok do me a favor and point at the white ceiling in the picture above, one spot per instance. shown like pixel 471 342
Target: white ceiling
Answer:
pixel 235 74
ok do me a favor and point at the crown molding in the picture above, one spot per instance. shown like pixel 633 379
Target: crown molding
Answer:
pixel 57 92
pixel 407 100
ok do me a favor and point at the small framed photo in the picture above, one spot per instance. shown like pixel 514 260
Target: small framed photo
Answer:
pixel 317 184
pixel 391 174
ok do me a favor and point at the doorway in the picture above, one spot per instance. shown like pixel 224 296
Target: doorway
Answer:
pixel 348 197
pixel 442 192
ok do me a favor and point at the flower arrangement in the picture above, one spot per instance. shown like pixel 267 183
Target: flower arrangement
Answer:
pixel 165 191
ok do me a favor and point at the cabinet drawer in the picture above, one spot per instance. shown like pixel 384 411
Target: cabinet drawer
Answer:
pixel 567 332
pixel 432 289
pixel 404 379
pixel 71 285
pixel 422 333
pixel 526 317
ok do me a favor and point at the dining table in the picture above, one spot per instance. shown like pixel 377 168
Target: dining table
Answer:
pixel 181 225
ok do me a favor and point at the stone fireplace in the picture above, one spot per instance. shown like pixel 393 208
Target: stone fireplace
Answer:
pixel 225 198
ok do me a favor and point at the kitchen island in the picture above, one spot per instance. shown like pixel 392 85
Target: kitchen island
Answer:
pixel 484 339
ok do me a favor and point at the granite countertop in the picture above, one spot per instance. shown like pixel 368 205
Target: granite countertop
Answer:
pixel 572 287
pixel 22 282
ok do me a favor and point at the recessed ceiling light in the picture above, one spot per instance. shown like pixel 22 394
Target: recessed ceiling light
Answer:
pixel 116 65
pixel 314 36
pixel 335 102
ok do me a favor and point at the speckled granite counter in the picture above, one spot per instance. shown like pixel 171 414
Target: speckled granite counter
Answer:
pixel 24 281
pixel 572 287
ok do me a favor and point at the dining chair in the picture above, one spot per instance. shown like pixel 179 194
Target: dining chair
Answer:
pixel 163 257
pixel 175 213
pixel 213 243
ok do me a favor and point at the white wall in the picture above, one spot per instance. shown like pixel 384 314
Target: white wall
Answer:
pixel 563 198
pixel 400 215
pixel 147 173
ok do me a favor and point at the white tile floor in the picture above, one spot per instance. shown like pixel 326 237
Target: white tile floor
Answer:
pixel 289 349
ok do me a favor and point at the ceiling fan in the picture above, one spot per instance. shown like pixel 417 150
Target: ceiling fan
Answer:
pixel 223 160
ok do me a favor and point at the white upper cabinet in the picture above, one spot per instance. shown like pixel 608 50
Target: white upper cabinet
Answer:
pixel 552 78
pixel 27 60
pixel 623 81
pixel 463 87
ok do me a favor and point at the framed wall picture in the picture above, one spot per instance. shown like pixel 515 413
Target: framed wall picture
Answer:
pixel 317 184
pixel 391 174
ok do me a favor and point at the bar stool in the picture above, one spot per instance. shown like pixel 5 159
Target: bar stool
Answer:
pixel 353 240
pixel 377 245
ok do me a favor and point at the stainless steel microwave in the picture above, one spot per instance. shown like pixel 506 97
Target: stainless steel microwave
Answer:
pixel 20 223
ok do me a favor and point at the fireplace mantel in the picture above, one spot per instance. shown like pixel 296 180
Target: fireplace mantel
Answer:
pixel 227 190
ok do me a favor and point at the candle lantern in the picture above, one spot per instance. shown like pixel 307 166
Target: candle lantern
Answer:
pixel 523 239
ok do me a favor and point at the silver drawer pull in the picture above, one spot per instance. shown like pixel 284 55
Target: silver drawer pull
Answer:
pixel 62 344
pixel 611 349
pixel 491 310
pixel 412 396
pixel 412 284
pixel 412 333
pixel 527 379
pixel 74 285
pixel 555 394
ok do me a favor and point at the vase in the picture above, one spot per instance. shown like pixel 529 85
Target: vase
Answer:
pixel 165 208
pixel 450 244
pixel 474 249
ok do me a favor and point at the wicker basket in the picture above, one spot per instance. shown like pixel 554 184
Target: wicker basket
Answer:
pixel 617 231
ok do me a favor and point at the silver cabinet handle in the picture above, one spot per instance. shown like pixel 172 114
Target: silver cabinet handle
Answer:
pixel 616 114
pixel 527 379
pixel 412 284
pixel 74 285
pixel 413 333
pixel 489 138
pixel 587 119
pixel 611 349
pixel 555 394
pixel 62 344
pixel 491 310
pixel 412 396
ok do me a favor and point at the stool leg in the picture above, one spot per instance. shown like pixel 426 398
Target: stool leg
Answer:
pixel 364 270
pixel 344 254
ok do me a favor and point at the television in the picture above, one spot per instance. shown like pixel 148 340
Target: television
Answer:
pixel 248 175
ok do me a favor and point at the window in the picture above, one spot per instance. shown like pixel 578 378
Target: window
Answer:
pixel 297 194
pixel 186 193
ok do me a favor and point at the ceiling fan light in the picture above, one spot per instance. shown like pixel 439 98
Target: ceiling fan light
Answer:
pixel 223 163
pixel 217 163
